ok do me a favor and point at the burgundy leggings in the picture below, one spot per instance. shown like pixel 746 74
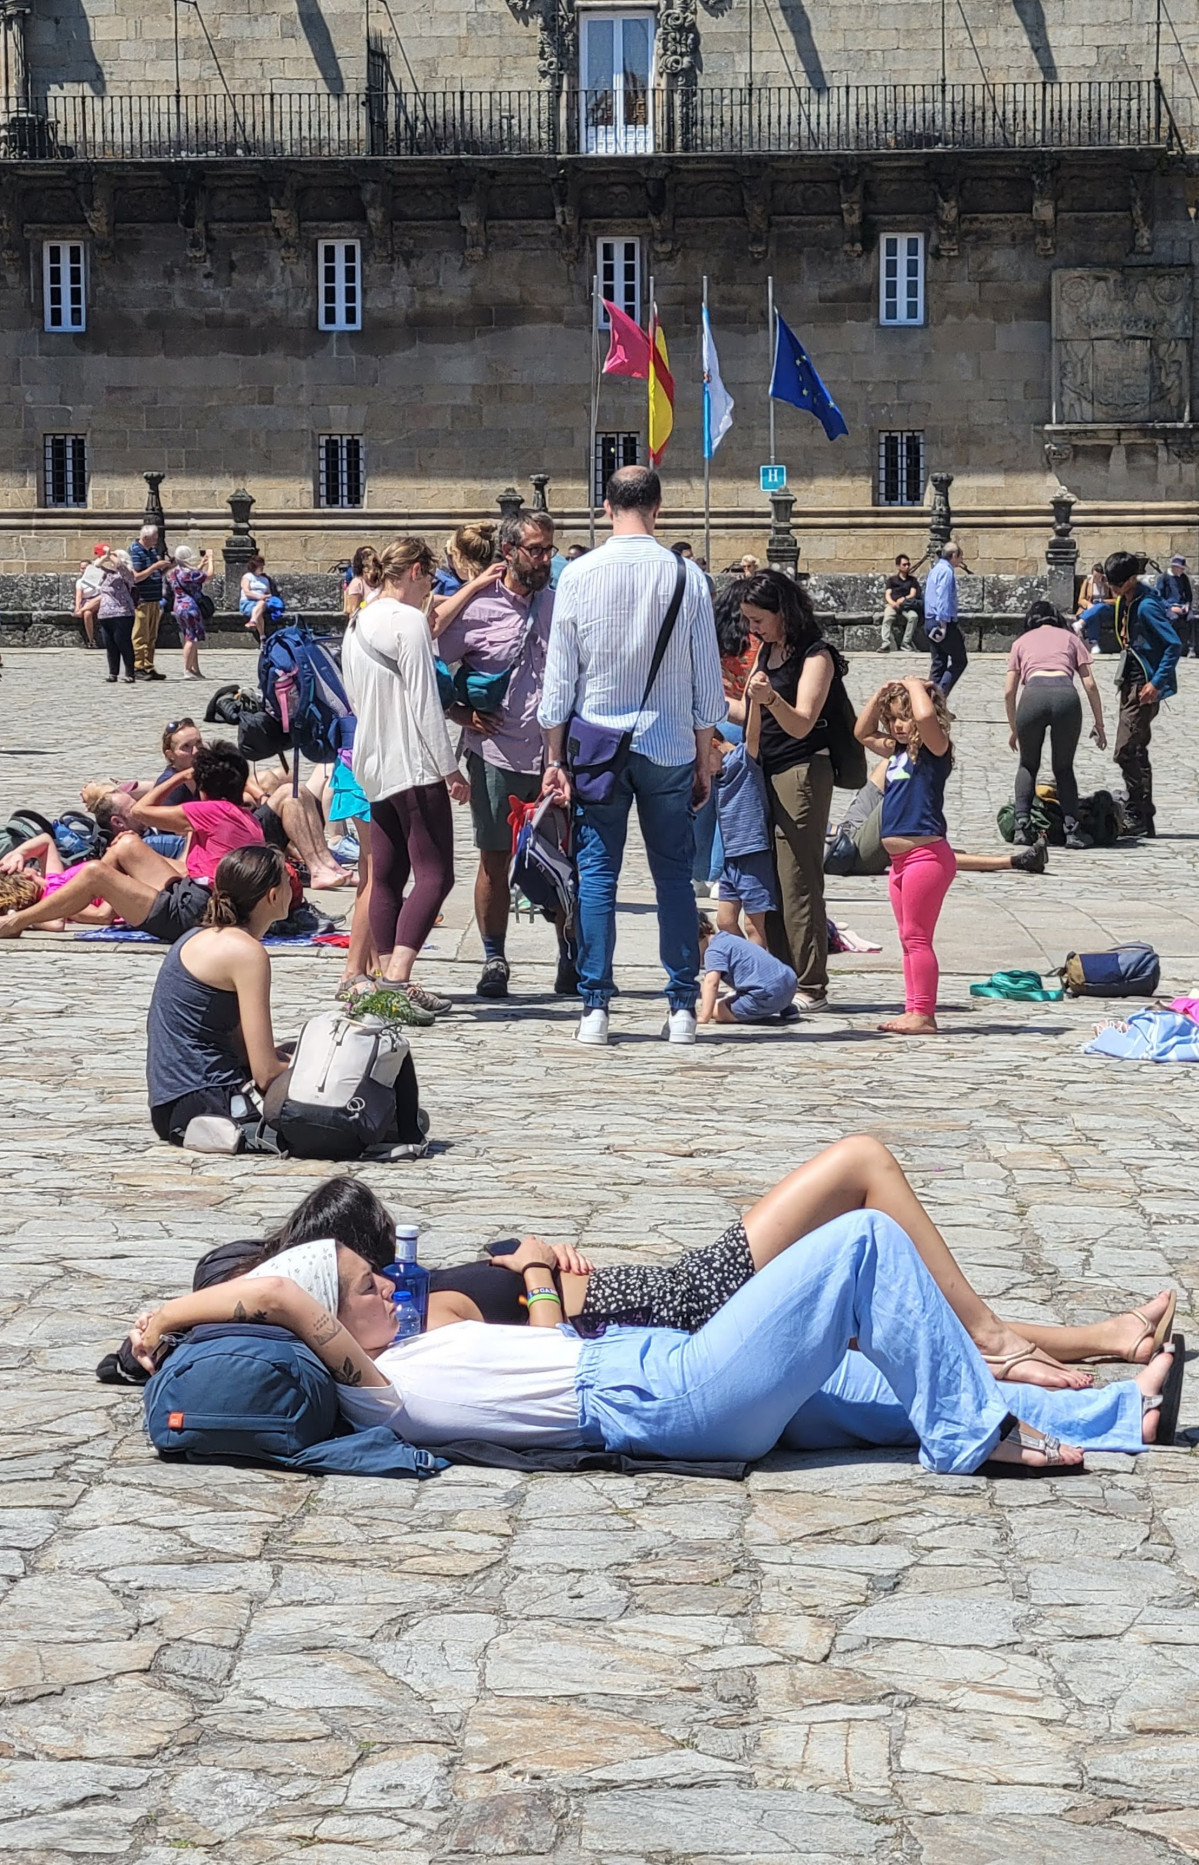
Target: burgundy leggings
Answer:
pixel 412 833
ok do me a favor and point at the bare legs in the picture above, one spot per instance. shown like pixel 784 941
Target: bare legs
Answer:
pixel 362 959
pixel 132 899
pixel 305 828
pixel 493 896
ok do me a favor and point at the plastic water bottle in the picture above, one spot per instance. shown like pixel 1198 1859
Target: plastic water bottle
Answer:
pixel 409 1276
pixel 407 1316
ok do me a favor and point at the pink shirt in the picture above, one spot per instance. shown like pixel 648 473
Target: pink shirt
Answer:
pixel 1048 650
pixel 216 830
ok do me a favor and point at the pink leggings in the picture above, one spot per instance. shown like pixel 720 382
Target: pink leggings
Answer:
pixel 919 882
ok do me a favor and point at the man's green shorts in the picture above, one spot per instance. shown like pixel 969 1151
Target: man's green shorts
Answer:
pixel 490 789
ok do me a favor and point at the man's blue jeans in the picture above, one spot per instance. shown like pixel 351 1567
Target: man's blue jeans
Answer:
pixel 735 1388
pixel 949 657
pixel 663 796
pixel 1092 620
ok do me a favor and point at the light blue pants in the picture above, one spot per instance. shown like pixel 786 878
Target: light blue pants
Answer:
pixel 739 1386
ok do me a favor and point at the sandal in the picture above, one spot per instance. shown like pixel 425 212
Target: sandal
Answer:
pixel 349 988
pixel 1168 1401
pixel 999 1365
pixel 1149 1331
pixel 1050 1448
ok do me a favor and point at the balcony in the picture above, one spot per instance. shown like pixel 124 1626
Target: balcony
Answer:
pixel 847 120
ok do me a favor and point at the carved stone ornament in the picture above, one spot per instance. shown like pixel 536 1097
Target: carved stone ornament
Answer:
pixel 472 214
pixel 566 186
pixel 377 205
pixel 1140 208
pixel 948 216
pixel 940 517
pixel 851 212
pixel 1044 209
pixel 677 49
pixel 1122 345
pixel 557 41
pixel 191 208
pixel 755 201
pixel 1057 454
pixel 97 199
pixel 659 199
pixel 284 205
pixel 12 227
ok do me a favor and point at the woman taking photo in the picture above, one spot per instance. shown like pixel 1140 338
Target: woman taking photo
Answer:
pixel 187 581
pixel 1041 669
pixel 404 763
pixel 784 713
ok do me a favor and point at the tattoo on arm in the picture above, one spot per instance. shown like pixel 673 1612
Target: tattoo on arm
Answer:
pixel 349 1374
pixel 241 1313
pixel 324 1328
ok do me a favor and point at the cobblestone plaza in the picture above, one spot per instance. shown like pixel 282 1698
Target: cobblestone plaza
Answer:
pixel 842 1658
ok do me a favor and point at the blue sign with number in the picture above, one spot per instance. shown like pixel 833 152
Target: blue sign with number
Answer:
pixel 772 478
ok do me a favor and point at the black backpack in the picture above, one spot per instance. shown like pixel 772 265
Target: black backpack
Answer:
pixel 22 826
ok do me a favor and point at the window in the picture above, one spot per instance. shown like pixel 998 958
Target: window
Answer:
pixel 340 478
pixel 618 267
pixel 901 278
pixel 616 58
pixel 64 470
pixel 901 468
pixel 339 265
pixel 611 451
pixel 64 288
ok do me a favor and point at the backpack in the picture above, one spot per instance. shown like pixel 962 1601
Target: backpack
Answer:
pixel 302 689
pixel 22 826
pixel 256 1394
pixel 1045 818
pixel 1099 818
pixel 351 1085
pixel 542 867
pixel 1126 971
pixel 230 704
pixel 78 838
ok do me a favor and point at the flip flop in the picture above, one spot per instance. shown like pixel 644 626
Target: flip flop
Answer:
pixel 1149 1331
pixel 1000 1365
pixel 1171 1396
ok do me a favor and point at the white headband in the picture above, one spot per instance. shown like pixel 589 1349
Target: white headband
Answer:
pixel 312 1266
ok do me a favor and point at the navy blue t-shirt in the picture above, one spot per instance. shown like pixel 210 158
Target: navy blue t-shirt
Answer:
pixel 914 794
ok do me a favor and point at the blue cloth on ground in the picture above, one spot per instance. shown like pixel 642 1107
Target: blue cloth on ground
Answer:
pixel 1151 1036
pixel 133 935
pixel 741 807
pixel 763 984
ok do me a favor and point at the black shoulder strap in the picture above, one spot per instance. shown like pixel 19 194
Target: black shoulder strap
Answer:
pixel 665 632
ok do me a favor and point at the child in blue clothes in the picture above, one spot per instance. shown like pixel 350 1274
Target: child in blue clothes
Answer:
pixel 763 988
pixel 747 880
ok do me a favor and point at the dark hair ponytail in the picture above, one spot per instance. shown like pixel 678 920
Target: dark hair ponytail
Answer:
pixel 243 878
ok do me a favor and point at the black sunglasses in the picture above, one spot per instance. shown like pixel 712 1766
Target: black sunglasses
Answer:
pixel 177 725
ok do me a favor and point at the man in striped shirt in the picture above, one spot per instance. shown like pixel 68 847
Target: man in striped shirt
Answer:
pixel 610 607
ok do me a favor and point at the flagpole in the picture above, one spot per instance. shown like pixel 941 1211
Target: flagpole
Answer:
pixel 771 338
pixel 707 440
pixel 589 481
pixel 649 380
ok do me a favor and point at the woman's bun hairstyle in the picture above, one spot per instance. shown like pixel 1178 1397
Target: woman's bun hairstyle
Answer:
pixel 242 879
pixel 471 549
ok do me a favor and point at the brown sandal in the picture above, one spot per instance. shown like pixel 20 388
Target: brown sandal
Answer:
pixel 1149 1331
pixel 999 1365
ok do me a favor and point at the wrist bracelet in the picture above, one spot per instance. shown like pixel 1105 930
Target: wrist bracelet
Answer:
pixel 554 764
pixel 549 1268
pixel 542 1295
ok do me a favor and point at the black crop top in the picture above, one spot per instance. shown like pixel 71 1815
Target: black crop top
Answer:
pixel 495 1291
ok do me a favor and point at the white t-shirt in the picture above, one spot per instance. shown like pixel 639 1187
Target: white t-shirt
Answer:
pixel 401 742
pixel 512 1386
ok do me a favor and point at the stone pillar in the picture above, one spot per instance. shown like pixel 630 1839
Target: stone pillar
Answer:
pixel 154 514
pixel 509 502
pixel 539 482
pixel 1062 554
pixel 782 549
pixel 239 545
pixel 14 66
pixel 940 518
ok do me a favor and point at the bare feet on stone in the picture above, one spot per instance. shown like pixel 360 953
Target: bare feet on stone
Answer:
pixel 912 1023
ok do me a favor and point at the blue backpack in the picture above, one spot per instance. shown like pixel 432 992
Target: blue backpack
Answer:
pixel 1126 971
pixel 257 1395
pixel 302 688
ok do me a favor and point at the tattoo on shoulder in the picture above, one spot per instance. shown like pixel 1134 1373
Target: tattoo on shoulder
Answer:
pixel 324 1328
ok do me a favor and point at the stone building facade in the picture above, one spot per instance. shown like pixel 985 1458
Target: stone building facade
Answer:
pixel 345 255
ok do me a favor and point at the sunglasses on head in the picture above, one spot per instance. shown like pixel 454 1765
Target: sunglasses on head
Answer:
pixel 177 725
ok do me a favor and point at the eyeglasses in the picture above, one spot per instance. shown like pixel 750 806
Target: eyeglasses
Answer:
pixel 536 550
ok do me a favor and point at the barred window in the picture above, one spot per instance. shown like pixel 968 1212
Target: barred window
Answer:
pixel 901 278
pixel 64 285
pixel 64 470
pixel 618 267
pixel 341 477
pixel 339 269
pixel 611 451
pixel 901 468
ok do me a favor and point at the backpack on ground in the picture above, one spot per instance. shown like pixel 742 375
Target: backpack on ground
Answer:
pixel 230 704
pixel 542 867
pixel 303 691
pixel 1045 819
pixel 255 1394
pixel 22 826
pixel 351 1085
pixel 1099 818
pixel 1132 970
pixel 77 838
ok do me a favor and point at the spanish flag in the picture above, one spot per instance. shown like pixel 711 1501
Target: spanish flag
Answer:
pixel 661 391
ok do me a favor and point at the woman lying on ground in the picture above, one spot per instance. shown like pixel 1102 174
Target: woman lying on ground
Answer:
pixel 858 1281
pixel 28 887
pixel 855 1174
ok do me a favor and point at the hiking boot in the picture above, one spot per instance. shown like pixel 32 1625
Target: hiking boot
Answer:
pixel 566 979
pixel 493 980
pixel 1032 860
pixel 1078 838
pixel 1023 834
pixel 392 1002
pixel 432 1001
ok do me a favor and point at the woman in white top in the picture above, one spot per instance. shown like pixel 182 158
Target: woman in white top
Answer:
pixel 404 762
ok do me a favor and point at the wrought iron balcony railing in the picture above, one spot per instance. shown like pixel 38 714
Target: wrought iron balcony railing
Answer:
pixel 848 119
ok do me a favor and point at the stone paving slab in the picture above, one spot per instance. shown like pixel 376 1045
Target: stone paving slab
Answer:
pixel 841 1659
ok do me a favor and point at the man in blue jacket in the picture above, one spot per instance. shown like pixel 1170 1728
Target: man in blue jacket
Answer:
pixel 1174 588
pixel 1146 677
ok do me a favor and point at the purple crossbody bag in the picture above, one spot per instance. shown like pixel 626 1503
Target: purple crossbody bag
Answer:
pixel 597 754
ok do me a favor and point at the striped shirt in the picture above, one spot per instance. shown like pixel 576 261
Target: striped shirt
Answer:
pixel 610 606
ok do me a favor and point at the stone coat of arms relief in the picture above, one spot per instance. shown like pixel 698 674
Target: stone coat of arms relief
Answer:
pixel 1122 345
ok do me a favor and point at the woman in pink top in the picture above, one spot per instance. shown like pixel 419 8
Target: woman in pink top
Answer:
pixel 217 823
pixel 1041 670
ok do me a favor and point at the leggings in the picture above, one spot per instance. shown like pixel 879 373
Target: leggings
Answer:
pixel 117 631
pixel 918 884
pixel 1053 706
pixel 412 834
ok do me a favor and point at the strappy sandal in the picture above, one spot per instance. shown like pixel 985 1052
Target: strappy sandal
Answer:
pixel 1156 1332
pixel 999 1365
pixel 349 988
pixel 1168 1401
pixel 1050 1448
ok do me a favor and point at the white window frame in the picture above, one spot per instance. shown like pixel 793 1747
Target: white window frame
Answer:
pixel 69 443
pixel 901 278
pixel 627 441
pixel 616 137
pixel 339 284
pixel 343 443
pixel 618 269
pixel 64 285
pixel 900 436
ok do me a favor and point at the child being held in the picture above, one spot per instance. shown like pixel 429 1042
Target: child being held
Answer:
pixel 747 880
pixel 762 987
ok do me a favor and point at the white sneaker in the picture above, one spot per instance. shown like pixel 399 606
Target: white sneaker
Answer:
pixel 593 1027
pixel 679 1026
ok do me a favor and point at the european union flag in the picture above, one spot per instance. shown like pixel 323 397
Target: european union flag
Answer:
pixel 796 381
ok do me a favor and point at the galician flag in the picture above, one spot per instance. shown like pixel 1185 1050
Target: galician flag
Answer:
pixel 718 403
pixel 661 391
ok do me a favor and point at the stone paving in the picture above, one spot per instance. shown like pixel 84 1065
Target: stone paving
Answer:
pixel 841 1659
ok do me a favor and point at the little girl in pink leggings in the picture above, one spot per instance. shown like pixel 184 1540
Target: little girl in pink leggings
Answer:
pixel 910 720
